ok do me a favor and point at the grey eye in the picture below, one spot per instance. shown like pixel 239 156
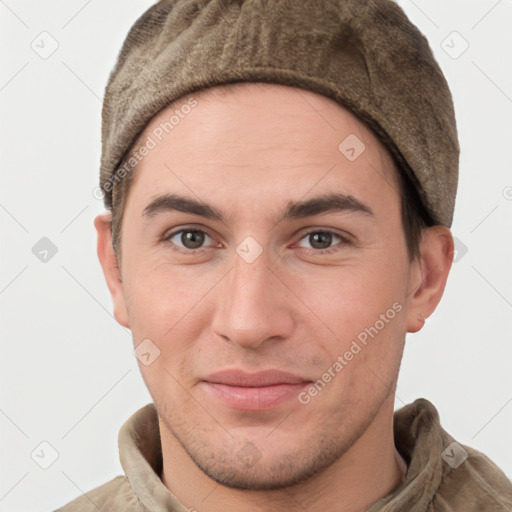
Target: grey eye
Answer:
pixel 320 239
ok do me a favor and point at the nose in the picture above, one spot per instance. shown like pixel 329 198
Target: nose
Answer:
pixel 253 305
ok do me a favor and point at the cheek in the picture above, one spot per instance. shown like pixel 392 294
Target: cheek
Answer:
pixel 158 294
pixel 367 317
pixel 350 298
pixel 362 312
pixel 166 304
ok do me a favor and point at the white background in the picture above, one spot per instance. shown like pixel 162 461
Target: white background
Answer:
pixel 68 373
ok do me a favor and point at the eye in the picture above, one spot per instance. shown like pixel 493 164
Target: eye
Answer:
pixel 188 239
pixel 191 240
pixel 321 240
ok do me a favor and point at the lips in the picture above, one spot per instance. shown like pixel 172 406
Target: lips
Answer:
pixel 253 380
pixel 254 391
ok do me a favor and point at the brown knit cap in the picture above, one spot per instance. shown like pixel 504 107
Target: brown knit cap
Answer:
pixel 364 54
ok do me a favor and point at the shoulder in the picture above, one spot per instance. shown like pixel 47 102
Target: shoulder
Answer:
pixel 476 484
pixel 116 494
pixel 444 475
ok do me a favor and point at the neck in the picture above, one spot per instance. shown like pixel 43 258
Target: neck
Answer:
pixel 368 471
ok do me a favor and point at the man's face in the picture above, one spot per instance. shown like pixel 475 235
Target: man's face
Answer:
pixel 319 294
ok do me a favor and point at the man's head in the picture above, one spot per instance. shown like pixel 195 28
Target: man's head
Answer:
pixel 262 279
pixel 296 227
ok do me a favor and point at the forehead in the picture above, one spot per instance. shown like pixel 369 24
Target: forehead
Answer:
pixel 255 134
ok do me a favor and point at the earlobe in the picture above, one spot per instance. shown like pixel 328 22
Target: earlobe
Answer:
pixel 429 275
pixel 111 271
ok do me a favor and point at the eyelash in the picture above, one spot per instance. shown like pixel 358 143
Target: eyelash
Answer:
pixel 343 241
pixel 330 250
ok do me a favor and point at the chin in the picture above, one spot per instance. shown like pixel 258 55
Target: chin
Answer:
pixel 250 470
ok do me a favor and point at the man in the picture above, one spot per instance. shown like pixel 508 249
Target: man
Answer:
pixel 281 177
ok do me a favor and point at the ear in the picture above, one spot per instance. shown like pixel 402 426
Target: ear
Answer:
pixel 429 274
pixel 103 223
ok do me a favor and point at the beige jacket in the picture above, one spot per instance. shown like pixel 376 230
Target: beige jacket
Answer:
pixel 442 475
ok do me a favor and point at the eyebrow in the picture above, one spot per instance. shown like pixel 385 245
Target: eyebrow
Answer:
pixel 293 210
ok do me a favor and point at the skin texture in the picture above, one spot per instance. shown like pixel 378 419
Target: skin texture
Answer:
pixel 293 308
